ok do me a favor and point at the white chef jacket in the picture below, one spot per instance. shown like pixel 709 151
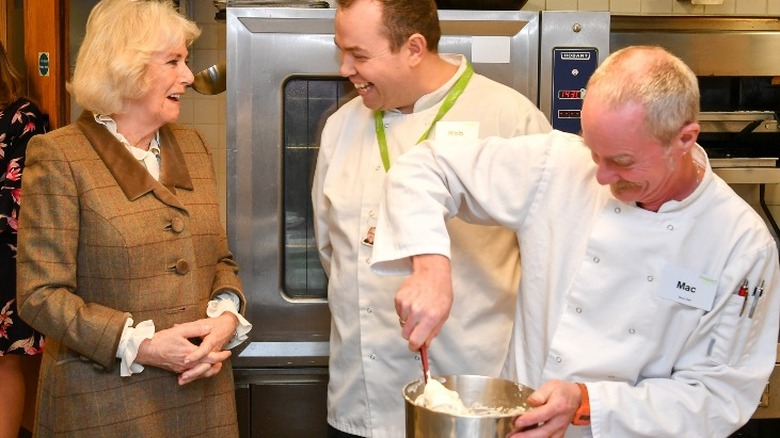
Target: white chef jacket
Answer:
pixel 369 360
pixel 589 308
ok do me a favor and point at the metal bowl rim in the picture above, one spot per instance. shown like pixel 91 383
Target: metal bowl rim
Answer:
pixel 450 376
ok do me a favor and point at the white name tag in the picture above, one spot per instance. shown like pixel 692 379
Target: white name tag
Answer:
pixel 457 130
pixel 689 288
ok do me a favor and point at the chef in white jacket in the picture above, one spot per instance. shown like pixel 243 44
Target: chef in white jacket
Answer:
pixel 408 91
pixel 629 318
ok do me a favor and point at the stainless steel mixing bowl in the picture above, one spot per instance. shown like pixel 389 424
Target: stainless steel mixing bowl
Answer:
pixel 422 422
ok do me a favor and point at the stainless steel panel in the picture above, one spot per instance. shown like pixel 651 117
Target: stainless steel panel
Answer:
pixel 561 29
pixel 260 63
pixel 711 46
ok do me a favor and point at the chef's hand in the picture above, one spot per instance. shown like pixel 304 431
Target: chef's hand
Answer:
pixel 424 300
pixel 554 405
pixel 169 348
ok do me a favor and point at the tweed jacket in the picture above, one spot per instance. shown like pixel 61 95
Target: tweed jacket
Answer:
pixel 100 241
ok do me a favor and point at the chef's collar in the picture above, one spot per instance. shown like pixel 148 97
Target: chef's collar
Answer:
pixel 700 157
pixel 433 98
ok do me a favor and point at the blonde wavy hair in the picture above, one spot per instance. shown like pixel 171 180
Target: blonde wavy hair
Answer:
pixel 120 39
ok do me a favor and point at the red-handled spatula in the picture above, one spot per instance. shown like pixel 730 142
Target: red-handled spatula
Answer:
pixel 426 370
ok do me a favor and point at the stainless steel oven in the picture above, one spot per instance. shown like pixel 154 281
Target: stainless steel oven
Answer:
pixel 737 62
pixel 282 83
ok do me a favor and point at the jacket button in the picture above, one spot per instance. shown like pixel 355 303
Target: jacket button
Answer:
pixel 177 225
pixel 182 267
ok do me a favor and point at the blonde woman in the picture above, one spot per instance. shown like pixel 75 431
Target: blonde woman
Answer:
pixel 126 268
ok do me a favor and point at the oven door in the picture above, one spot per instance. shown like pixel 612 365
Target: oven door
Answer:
pixel 283 82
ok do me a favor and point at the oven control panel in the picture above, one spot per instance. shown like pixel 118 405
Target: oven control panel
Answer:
pixel 572 68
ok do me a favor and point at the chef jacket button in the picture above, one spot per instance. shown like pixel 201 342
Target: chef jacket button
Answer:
pixel 372 356
pixel 670 227
pixel 617 210
pixel 371 213
pixel 578 309
pixel 182 267
pixel 177 225
pixel 417 357
pixel 558 359
pixel 369 310
pixel 632 331
pixel 649 278
pixel 368 261
pixel 377 168
pixel 596 259
pixel 387 125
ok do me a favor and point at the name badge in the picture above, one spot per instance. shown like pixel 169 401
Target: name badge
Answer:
pixel 457 130
pixel 368 239
pixel 689 288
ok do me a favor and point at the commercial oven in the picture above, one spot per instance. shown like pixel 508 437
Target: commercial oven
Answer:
pixel 737 62
pixel 282 83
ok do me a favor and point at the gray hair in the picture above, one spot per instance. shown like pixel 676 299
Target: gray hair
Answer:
pixel 662 83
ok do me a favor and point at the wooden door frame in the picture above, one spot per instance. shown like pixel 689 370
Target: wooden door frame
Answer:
pixel 46 30
pixel 4 23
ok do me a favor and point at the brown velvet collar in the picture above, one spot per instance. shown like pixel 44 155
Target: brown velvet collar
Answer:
pixel 131 176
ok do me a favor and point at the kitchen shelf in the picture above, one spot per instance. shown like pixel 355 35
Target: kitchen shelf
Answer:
pixel 749 175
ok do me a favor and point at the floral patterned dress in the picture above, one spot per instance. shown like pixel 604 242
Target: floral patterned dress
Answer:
pixel 18 123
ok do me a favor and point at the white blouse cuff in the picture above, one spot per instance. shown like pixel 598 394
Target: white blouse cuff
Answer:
pixel 229 302
pixel 129 343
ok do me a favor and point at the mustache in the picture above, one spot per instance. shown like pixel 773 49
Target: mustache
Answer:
pixel 623 185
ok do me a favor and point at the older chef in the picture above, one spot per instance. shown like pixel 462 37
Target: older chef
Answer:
pixel 629 319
